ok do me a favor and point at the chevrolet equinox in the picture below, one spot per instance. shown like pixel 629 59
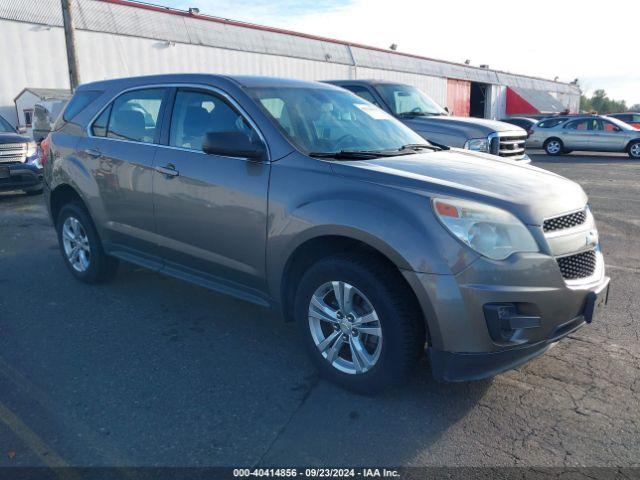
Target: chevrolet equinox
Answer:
pixel 301 196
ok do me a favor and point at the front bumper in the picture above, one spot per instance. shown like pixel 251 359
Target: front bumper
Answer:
pixel 460 344
pixel 19 176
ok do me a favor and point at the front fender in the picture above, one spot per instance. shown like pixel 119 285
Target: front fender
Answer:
pixel 408 235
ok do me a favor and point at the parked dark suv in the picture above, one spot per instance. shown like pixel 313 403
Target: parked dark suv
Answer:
pixel 302 197
pixel 20 167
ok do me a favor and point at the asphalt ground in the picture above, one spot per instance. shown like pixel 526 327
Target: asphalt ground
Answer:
pixel 150 371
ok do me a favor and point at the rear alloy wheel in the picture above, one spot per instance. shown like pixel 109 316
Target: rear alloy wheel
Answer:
pixel 76 244
pixel 361 325
pixel 634 150
pixel 553 146
pixel 81 247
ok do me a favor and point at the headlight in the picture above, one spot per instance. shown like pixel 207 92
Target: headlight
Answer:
pixel 477 145
pixel 490 231
pixel 32 149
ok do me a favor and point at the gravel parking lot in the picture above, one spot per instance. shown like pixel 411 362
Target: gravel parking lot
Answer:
pixel 149 371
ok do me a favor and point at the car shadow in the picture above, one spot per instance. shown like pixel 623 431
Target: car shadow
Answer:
pixel 580 157
pixel 166 373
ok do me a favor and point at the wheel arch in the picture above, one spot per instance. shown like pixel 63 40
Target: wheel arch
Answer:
pixel 62 195
pixel 631 142
pixel 322 246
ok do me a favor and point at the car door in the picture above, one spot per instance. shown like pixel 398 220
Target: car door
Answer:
pixel 578 134
pixel 120 151
pixel 610 137
pixel 210 211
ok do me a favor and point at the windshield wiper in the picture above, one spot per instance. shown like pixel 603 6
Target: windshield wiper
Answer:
pixel 420 146
pixel 355 154
pixel 412 114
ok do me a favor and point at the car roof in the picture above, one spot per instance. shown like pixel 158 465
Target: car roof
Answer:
pixel 241 80
pixel 506 119
pixel 365 81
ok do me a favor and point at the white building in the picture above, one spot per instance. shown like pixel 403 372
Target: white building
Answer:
pixel 117 38
pixel 32 103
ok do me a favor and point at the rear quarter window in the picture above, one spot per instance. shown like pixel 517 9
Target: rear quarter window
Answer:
pixel 78 103
pixel 550 123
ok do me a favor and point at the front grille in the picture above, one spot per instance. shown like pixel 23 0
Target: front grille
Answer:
pixel 13 152
pixel 580 265
pixel 565 221
pixel 512 146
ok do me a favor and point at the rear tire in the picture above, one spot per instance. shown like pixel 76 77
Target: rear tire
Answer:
pixel 363 356
pixel 634 150
pixel 553 146
pixel 81 247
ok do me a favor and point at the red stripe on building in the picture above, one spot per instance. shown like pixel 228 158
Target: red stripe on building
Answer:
pixel 516 105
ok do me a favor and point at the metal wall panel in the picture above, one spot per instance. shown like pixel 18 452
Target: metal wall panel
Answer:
pixel 496 105
pixel 37 58
pixel 103 55
pixel 140 42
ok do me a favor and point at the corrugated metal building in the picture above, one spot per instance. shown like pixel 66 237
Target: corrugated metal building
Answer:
pixel 118 38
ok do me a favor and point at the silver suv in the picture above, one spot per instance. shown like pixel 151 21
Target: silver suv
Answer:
pixel 304 198
pixel 586 133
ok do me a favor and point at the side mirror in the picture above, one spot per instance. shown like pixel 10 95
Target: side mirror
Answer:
pixel 446 109
pixel 233 144
pixel 22 130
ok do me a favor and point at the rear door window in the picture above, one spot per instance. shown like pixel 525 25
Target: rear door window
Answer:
pixel 133 116
pixel 582 125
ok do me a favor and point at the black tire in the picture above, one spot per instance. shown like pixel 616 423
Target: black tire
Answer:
pixel 553 146
pixel 33 191
pixel 634 150
pixel 401 321
pixel 102 267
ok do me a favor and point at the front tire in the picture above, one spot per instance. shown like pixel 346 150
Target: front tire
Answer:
pixel 81 247
pixel 554 146
pixel 634 150
pixel 361 326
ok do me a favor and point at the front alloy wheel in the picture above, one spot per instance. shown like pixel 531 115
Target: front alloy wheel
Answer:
pixel 76 244
pixel 345 327
pixel 359 320
pixel 634 150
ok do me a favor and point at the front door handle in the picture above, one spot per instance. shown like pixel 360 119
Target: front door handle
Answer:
pixel 92 152
pixel 169 170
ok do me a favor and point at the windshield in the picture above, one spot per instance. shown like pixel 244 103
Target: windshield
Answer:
pixel 407 100
pixel 5 127
pixel 323 120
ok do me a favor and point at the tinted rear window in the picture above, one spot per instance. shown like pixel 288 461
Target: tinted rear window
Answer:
pixel 79 102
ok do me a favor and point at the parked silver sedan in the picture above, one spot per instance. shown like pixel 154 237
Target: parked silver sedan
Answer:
pixel 589 133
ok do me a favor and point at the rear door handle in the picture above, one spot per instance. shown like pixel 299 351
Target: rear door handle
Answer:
pixel 92 152
pixel 169 170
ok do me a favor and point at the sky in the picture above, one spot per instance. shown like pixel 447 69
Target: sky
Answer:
pixel 596 42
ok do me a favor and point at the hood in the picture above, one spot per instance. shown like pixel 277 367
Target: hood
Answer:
pixel 13 138
pixel 531 193
pixel 467 126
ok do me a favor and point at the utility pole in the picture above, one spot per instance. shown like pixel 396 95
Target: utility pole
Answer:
pixel 70 40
